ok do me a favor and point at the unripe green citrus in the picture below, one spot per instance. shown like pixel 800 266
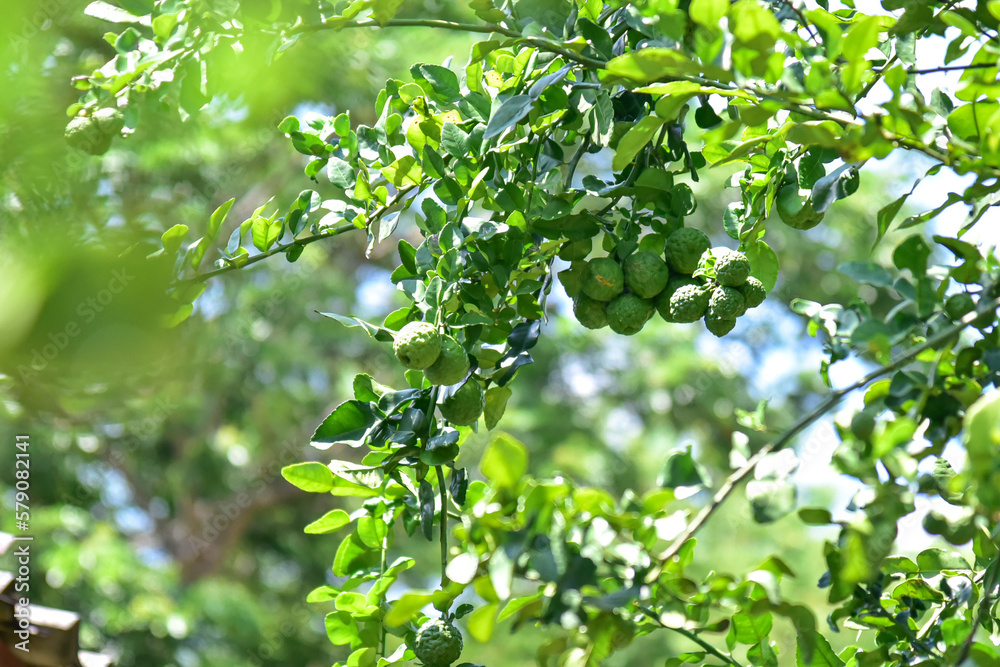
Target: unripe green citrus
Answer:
pixel 84 134
pixel 688 303
pixel 417 345
pixel 590 312
pixel 604 280
pixel 646 274
pixel 464 406
pixel 627 314
pixel 663 300
pixel 452 364
pixel 109 121
pixel 726 303
pixel 732 268
pixel 719 326
pixel 753 292
pixel 576 250
pixel 438 643
pixel 684 249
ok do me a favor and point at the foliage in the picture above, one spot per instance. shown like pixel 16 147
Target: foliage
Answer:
pixel 592 121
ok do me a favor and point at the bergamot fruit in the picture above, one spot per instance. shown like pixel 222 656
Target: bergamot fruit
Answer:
pixel 452 364
pixel 732 268
pixel 627 314
pixel 573 251
pixel 719 326
pixel 438 643
pixel 590 312
pixel 646 274
pixel 84 134
pixel 604 279
pixel 688 303
pixel 726 303
pixel 663 301
pixel 684 249
pixel 109 121
pixel 753 292
pixel 465 405
pixel 417 345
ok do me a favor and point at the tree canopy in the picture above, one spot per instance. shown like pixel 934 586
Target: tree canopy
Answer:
pixel 695 162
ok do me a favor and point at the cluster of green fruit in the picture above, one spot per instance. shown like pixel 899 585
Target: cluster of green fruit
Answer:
pixel 93 134
pixel 624 295
pixel 420 346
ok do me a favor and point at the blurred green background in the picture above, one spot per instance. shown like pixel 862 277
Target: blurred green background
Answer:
pixel 158 508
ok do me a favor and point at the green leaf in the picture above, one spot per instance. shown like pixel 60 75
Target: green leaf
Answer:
pixel 311 476
pixel 462 568
pixel 383 10
pixel 454 141
pixel 841 183
pixel 813 650
pixel 266 232
pixel 340 628
pixel 331 521
pixel 708 12
pixel 442 80
pixel 409 604
pixel 214 225
pixel 173 238
pixel 508 115
pixel 496 404
pixel 982 431
pixel 505 461
pixel 862 37
pixel 680 470
pixel 108 12
pixel 763 264
pixel 482 622
pixel 349 423
pixel 866 272
pixel 751 628
pixel 658 63
pixel 770 499
pixel 340 173
pixel 887 214
pixel 635 140
pixel 376 332
pixel 815 516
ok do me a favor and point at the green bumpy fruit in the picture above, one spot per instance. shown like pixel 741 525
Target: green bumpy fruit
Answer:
pixel 663 301
pixel 732 268
pixel 438 643
pixel 684 249
pixel 452 364
pixel 576 250
pixel 83 134
pixel 719 326
pixel 627 314
pixel 109 121
pixel 726 303
pixel 417 345
pixel 604 279
pixel 688 304
pixel 590 312
pixel 646 274
pixel 465 405
pixel 753 292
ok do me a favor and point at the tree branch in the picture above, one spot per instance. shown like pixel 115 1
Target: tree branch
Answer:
pixel 486 28
pixel 825 406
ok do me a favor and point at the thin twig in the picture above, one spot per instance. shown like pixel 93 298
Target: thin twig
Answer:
pixel 802 19
pixel 304 241
pixel 692 636
pixel 825 406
